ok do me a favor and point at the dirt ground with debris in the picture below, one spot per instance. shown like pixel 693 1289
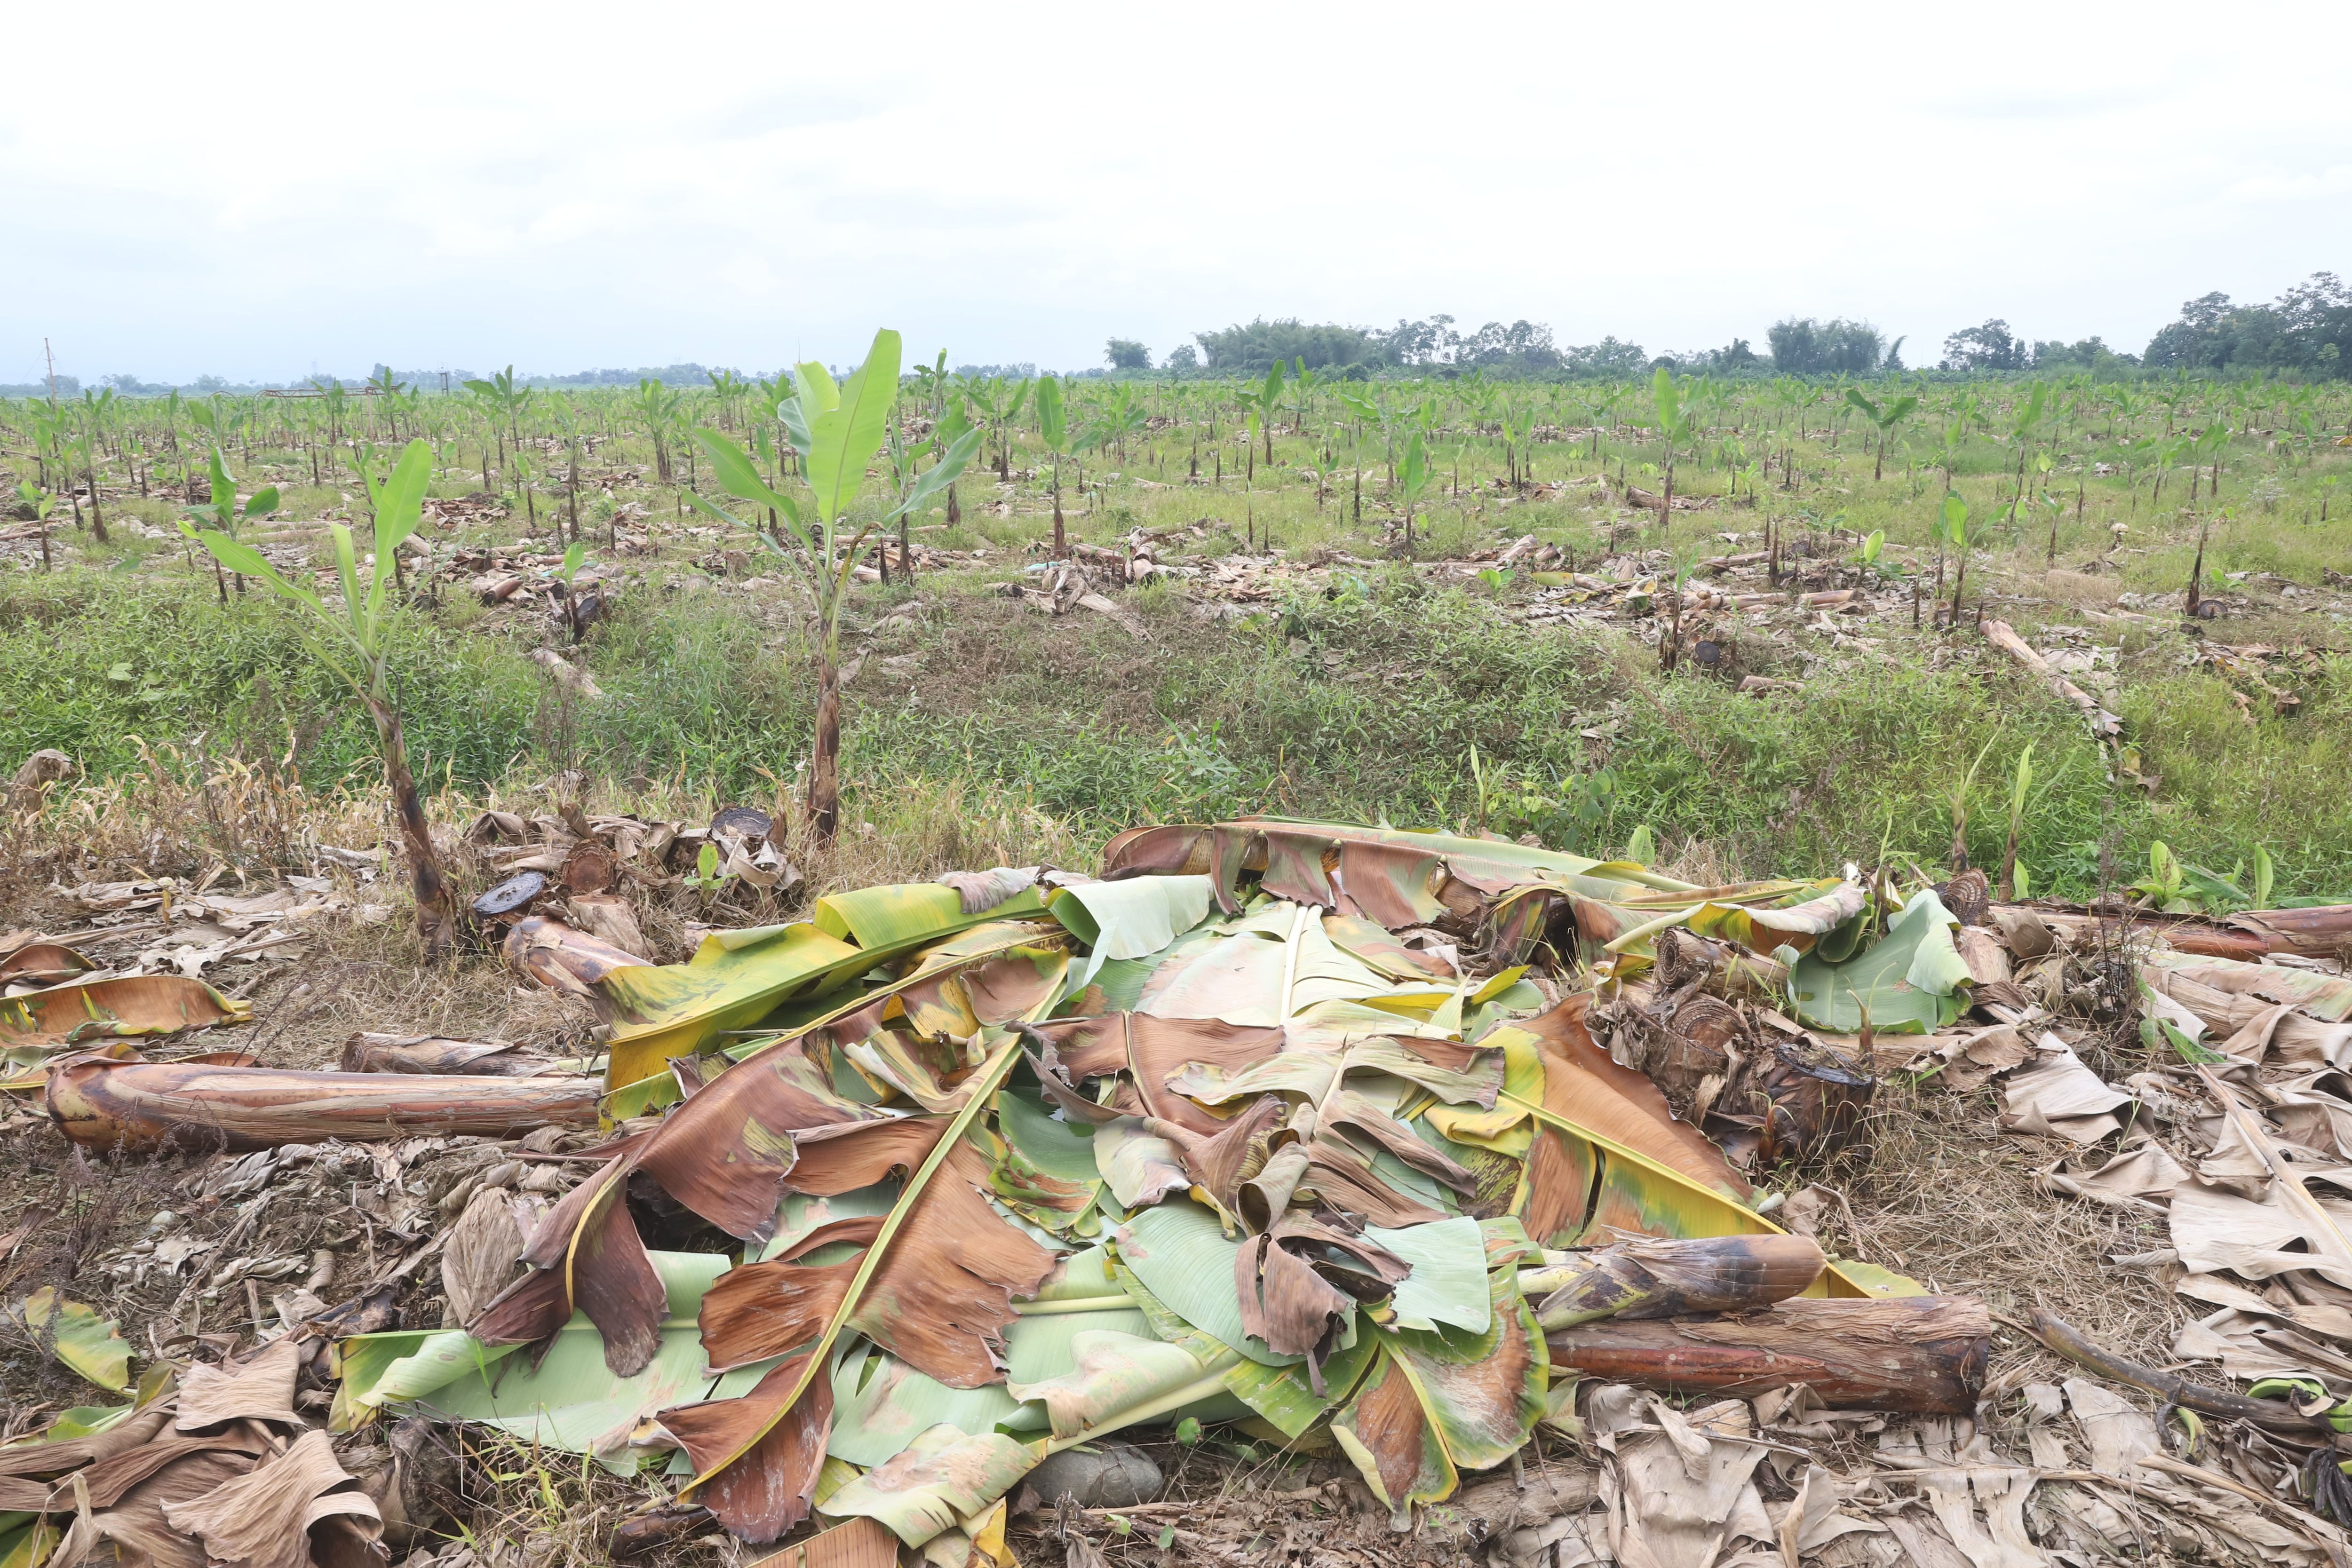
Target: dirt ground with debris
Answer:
pixel 1959 1176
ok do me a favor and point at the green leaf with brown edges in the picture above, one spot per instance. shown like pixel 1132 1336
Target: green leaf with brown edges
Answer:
pixel 1386 1429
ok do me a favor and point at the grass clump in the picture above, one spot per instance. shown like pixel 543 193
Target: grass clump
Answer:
pixel 1363 700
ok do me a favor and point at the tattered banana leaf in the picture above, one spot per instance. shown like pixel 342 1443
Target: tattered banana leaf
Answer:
pixel 569 1399
pixel 1112 1374
pixel 736 1460
pixel 1186 1261
pixel 725 1152
pixel 1138 1166
pixel 737 979
pixel 895 914
pixel 127 1006
pixel 943 1477
pixel 1388 1433
pixel 42 964
pixel 1583 1083
pixel 1286 1396
pixel 1315 1074
pixel 1049 1176
pixel 881 1406
pixel 1280 965
pixel 1437 1404
pixel 1392 867
pixel 1907 982
pixel 1500 1127
pixel 734 979
pixel 2328 997
pixel 1798 924
pixel 1484 1390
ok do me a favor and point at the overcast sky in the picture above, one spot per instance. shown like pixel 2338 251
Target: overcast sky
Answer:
pixel 255 191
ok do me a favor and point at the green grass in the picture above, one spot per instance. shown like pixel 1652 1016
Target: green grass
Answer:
pixel 1364 703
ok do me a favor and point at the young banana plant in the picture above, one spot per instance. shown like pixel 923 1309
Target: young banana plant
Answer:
pixel 1951 527
pixel 838 430
pixel 2014 880
pixel 1054 430
pixel 353 639
pixel 1412 478
pixel 999 405
pixel 1672 426
pixel 501 395
pixel 1885 418
pixel 1266 402
pixel 656 407
pixel 221 513
pixel 40 503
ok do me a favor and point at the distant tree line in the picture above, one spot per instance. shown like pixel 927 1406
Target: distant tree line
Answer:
pixel 2306 330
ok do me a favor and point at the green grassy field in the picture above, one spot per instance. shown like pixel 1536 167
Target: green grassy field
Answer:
pixel 1356 689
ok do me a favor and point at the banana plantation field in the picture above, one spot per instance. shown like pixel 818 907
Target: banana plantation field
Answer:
pixel 897 968
pixel 1118 600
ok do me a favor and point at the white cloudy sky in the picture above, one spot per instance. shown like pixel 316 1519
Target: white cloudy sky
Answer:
pixel 256 190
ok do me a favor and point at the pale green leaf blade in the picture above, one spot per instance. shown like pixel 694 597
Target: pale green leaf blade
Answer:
pixel 846 437
pixel 1182 1256
pixel 1448 1282
pixel 1052 425
pixel 1484 1392
pixel 736 473
pixel 818 394
pixel 1130 919
pixel 1115 1374
pixel 942 1477
pixel 880 1406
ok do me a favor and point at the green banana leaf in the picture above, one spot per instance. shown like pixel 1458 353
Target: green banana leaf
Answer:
pixel 1908 982
pixel 570 1400
pixel 1284 1396
pixel 1184 1260
pixel 897 914
pixel 29 1543
pixel 1112 1372
pixel 882 1405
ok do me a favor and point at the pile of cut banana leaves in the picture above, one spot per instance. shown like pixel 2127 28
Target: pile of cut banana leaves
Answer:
pixel 1289 1125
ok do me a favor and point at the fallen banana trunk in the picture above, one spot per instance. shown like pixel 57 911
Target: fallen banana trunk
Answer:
pixel 2321 932
pixel 2000 635
pixel 1664 1278
pixel 1919 1354
pixel 100 1102
pixel 567 961
pixel 433 1055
